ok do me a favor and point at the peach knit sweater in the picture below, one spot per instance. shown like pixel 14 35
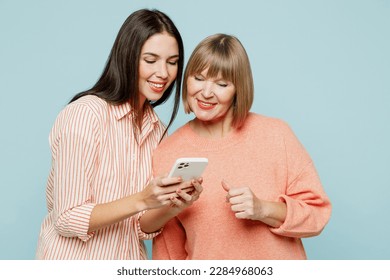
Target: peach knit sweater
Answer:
pixel 264 155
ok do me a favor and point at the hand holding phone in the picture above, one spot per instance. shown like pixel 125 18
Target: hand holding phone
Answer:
pixel 188 168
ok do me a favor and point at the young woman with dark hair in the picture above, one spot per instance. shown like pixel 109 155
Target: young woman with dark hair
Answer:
pixel 101 181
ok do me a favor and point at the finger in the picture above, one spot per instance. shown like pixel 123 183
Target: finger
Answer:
pixel 198 186
pixel 170 185
pixel 186 186
pixel 238 208
pixel 237 191
pixel 227 188
pixel 190 190
pixel 176 201
pixel 225 185
pixel 167 197
pixel 166 181
pixel 236 199
pixel 166 190
pixel 199 179
pixel 241 215
pixel 184 195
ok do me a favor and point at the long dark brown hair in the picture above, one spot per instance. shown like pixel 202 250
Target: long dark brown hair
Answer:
pixel 118 83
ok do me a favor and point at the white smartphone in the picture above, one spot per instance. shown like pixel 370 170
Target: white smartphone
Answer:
pixel 188 168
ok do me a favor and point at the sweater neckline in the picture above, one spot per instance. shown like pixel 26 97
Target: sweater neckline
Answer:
pixel 211 144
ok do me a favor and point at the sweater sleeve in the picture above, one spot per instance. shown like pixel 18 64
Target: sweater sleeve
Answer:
pixel 74 147
pixel 308 207
pixel 170 244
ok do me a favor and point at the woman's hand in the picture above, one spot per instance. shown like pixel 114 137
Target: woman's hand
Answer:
pixel 246 205
pixel 156 194
pixel 182 197
pixel 186 197
pixel 243 202
pixel 160 191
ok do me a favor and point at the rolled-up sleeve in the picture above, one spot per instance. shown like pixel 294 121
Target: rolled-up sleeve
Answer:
pixel 308 206
pixel 143 235
pixel 75 222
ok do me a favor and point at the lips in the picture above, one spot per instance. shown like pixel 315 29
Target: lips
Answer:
pixel 157 87
pixel 206 105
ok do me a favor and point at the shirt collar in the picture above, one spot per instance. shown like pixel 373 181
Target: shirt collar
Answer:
pixel 125 109
pixel 151 114
pixel 122 110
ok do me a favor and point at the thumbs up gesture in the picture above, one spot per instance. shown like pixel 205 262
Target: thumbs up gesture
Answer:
pixel 246 205
pixel 243 202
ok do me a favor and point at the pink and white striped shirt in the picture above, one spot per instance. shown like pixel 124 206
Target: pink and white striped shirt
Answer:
pixel 97 157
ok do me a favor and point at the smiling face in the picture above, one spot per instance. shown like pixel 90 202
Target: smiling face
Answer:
pixel 219 58
pixel 210 99
pixel 158 66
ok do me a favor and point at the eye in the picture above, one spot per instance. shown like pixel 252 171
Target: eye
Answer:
pixel 222 84
pixel 198 78
pixel 150 61
pixel 174 62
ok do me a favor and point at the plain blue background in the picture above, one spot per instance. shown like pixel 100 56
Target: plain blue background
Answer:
pixel 322 66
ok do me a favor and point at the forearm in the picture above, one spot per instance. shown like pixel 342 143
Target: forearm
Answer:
pixel 273 213
pixel 155 195
pixel 155 219
pixel 106 214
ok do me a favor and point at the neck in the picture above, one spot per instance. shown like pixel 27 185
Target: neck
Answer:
pixel 140 114
pixel 212 129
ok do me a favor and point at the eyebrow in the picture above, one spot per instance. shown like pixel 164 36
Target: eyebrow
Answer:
pixel 156 55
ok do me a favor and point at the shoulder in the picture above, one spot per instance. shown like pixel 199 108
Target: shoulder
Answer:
pixel 86 113
pixel 90 103
pixel 274 131
pixel 86 105
pixel 256 122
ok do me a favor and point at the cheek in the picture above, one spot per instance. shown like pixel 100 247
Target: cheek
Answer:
pixel 227 101
pixel 228 97
pixel 192 89
pixel 143 71
pixel 191 101
pixel 190 92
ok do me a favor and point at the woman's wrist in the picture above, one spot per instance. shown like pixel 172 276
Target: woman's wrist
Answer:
pixel 156 219
pixel 140 204
pixel 173 211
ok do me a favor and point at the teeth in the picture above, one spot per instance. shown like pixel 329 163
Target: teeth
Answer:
pixel 206 104
pixel 156 85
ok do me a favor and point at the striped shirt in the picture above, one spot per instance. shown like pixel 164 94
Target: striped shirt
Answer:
pixel 97 157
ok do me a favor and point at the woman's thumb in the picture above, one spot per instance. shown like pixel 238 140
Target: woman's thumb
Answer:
pixel 225 185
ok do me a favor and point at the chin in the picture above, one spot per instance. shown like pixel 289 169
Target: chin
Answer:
pixel 154 98
pixel 203 119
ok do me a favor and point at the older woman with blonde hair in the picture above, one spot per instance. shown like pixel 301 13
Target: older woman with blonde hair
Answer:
pixel 261 192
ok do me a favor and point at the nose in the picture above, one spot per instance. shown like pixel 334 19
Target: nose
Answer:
pixel 207 91
pixel 162 71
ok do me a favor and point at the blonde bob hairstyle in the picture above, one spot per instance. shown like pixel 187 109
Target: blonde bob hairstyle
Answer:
pixel 223 55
